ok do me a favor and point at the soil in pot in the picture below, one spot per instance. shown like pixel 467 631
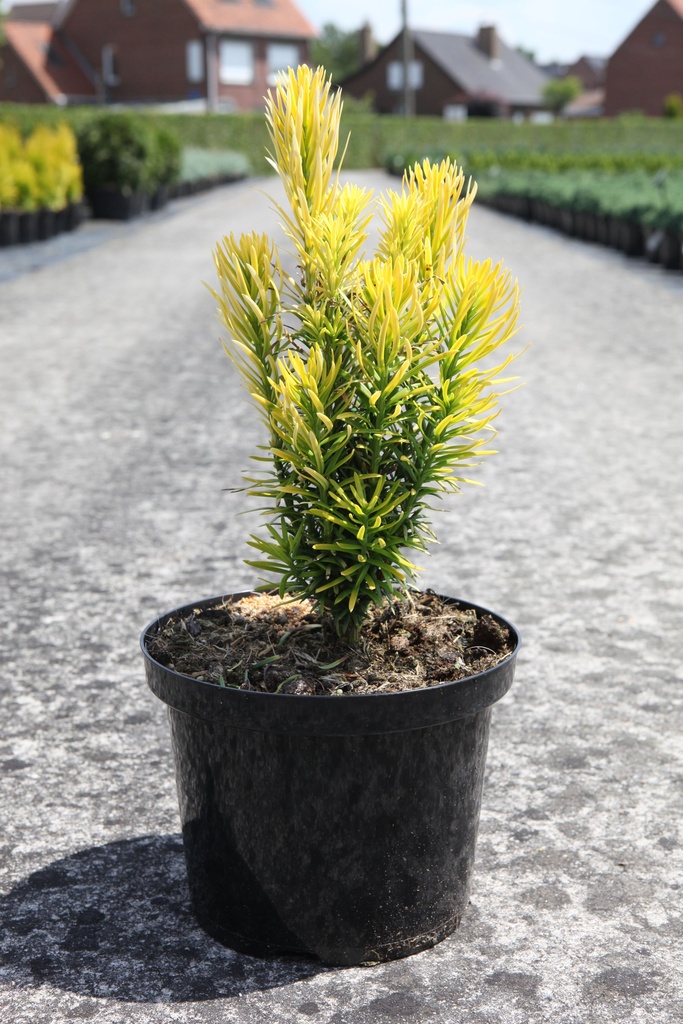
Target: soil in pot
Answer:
pixel 262 643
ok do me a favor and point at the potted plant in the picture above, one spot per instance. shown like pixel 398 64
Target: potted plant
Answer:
pixel 10 148
pixel 117 152
pixel 330 731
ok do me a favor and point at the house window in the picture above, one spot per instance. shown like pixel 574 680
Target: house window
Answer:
pixel 110 65
pixel 194 60
pixel 658 40
pixel 455 112
pixel 128 7
pixel 236 62
pixel 280 57
pixel 395 75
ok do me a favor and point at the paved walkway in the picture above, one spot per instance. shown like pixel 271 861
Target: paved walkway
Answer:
pixel 120 425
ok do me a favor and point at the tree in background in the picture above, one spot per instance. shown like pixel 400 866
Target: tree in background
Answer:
pixel 560 91
pixel 529 54
pixel 337 51
pixel 673 106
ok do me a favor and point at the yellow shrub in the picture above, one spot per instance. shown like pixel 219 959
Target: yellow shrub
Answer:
pixel 26 184
pixel 8 189
pixel 43 171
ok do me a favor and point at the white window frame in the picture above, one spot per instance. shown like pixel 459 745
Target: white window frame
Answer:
pixel 280 61
pixel 110 75
pixel 240 71
pixel 194 61
pixel 395 75
pixel 455 113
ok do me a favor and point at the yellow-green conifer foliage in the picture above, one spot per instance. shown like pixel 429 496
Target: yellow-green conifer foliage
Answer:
pixel 372 375
pixel 41 171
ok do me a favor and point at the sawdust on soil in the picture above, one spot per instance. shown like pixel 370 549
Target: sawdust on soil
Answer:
pixel 261 643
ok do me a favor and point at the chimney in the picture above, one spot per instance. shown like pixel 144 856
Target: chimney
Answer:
pixel 366 44
pixel 488 42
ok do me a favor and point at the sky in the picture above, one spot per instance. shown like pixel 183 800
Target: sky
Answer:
pixel 552 29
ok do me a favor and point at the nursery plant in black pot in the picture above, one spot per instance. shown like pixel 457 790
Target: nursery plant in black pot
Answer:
pixel 330 730
pixel 117 152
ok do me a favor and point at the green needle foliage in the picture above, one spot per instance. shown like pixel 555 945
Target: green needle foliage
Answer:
pixel 372 375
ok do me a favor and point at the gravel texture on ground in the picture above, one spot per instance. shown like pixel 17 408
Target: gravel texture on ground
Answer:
pixel 121 424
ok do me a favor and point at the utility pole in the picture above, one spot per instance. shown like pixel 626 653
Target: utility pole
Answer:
pixel 407 54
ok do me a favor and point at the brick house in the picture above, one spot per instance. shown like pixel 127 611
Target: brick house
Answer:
pixel 590 71
pixel 219 53
pixel 648 65
pixel 453 76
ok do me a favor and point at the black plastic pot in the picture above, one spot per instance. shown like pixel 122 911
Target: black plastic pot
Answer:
pixel 113 204
pixel 653 240
pixel 340 827
pixel 9 228
pixel 28 227
pixel 614 226
pixel 590 227
pixel 602 228
pixel 670 250
pixel 632 239
pixel 75 215
pixel 47 224
pixel 567 221
pixel 159 198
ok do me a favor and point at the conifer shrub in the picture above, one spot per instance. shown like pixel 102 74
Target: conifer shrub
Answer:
pixel 41 171
pixel 372 375
pixel 117 151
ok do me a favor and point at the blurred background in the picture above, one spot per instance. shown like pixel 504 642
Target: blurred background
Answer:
pixel 572 116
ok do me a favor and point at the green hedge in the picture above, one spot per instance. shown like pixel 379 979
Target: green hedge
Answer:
pixel 374 139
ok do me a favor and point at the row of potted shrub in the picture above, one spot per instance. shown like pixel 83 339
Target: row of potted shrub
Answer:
pixel 123 163
pixel 475 161
pixel 131 166
pixel 636 213
pixel 203 169
pixel 41 185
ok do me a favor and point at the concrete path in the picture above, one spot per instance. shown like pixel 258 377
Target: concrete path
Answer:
pixel 120 424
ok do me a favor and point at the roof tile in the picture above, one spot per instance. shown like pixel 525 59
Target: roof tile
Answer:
pixel 253 17
pixel 511 79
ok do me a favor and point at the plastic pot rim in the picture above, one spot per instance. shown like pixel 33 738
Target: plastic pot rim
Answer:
pixel 328 714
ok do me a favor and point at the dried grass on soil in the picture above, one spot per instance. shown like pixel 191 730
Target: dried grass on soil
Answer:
pixel 261 643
